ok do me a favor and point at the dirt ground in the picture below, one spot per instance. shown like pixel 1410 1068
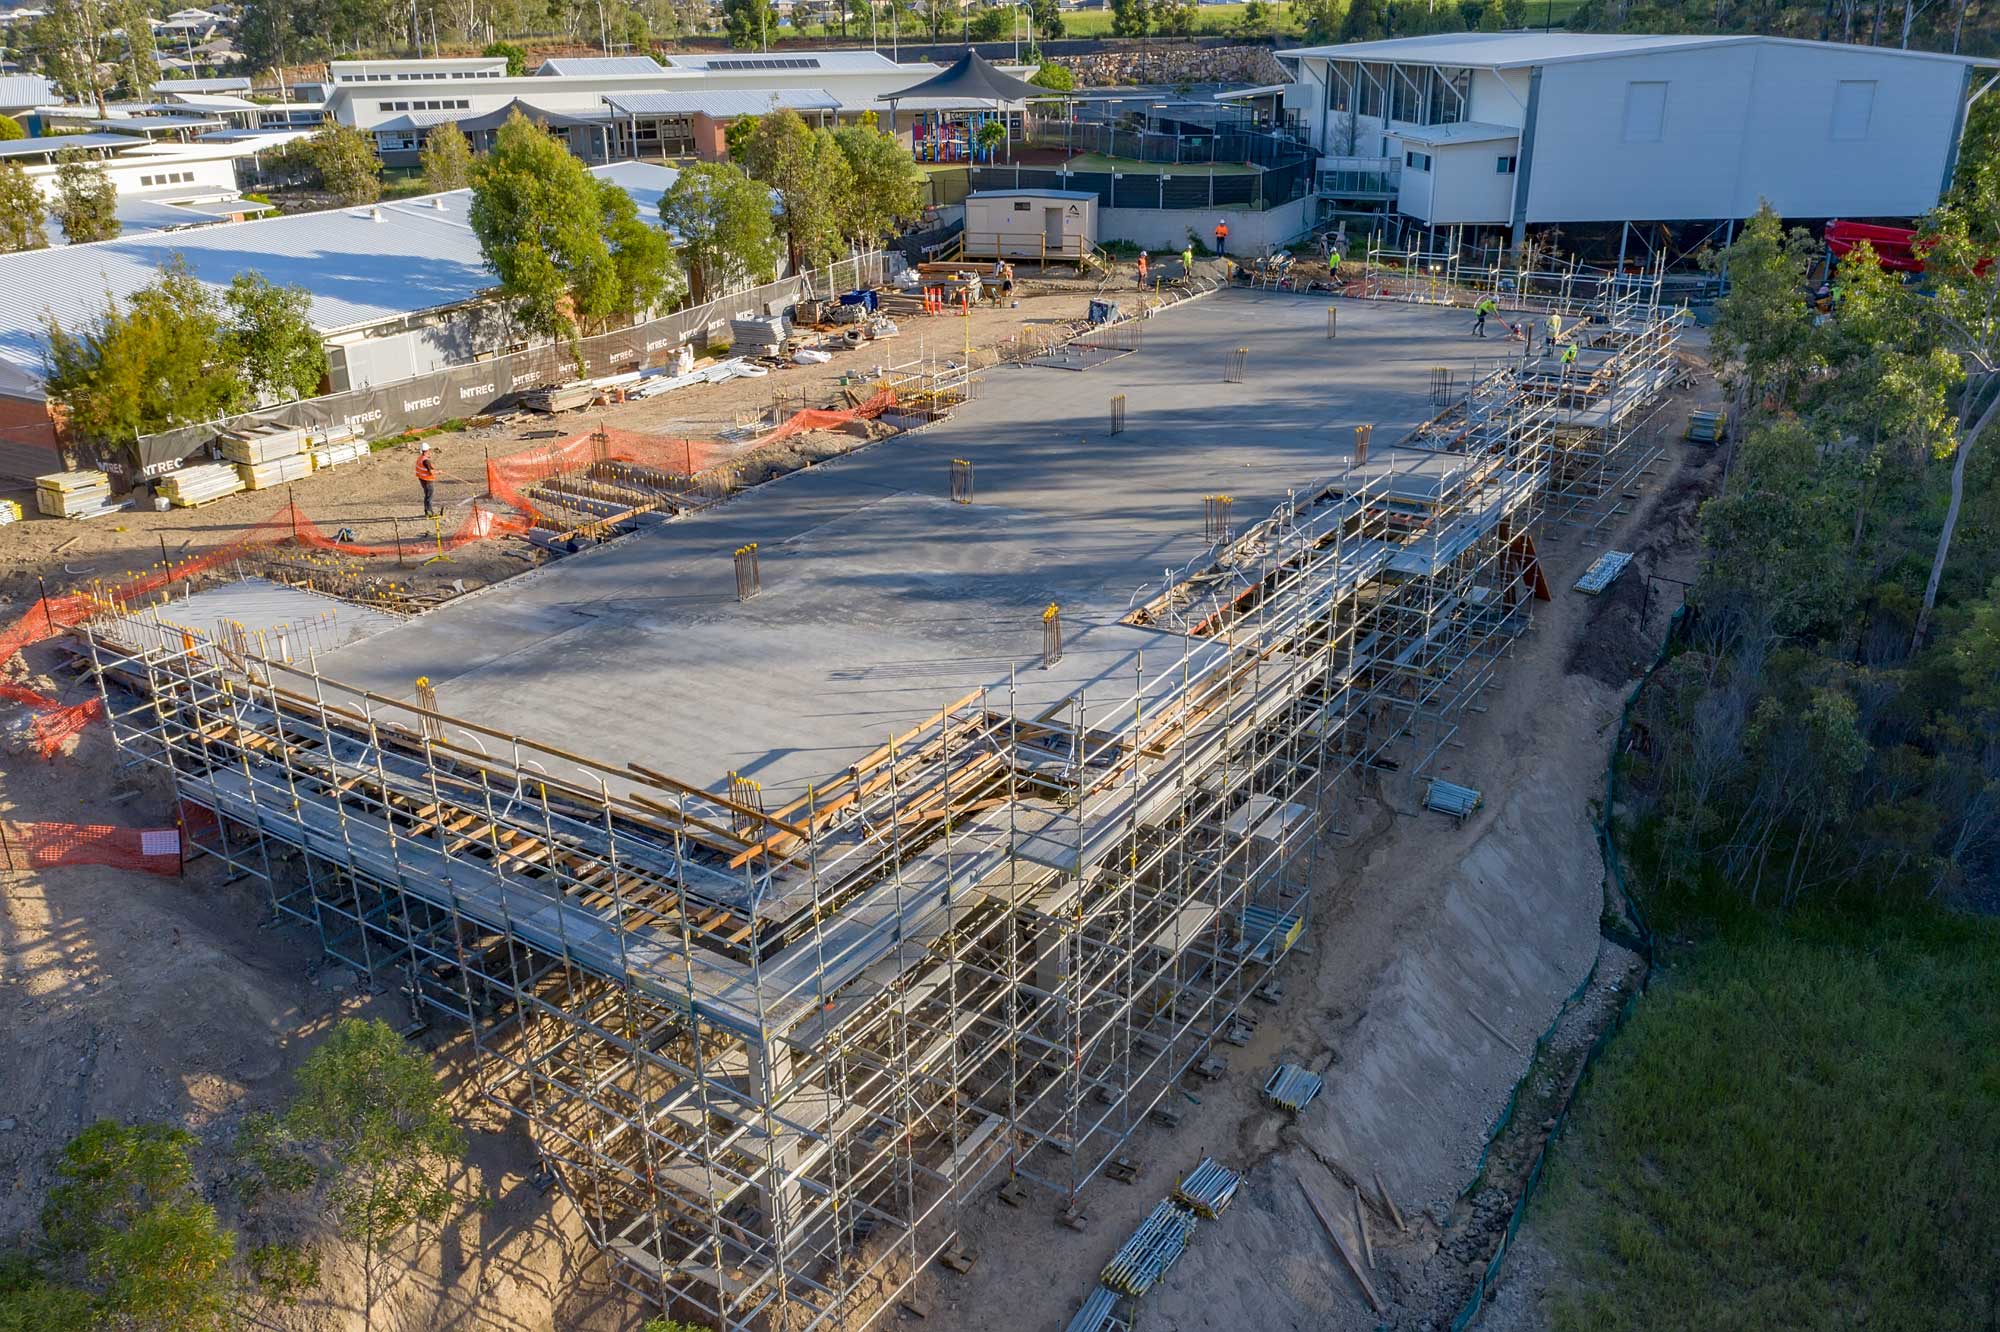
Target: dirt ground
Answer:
pixel 131 996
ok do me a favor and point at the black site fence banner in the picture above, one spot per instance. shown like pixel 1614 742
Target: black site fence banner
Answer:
pixel 384 410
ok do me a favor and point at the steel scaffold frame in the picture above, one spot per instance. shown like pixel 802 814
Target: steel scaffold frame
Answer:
pixel 773 1055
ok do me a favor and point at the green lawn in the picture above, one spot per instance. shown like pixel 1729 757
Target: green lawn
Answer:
pixel 1798 1129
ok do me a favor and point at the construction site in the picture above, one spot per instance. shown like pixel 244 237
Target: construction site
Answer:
pixel 819 856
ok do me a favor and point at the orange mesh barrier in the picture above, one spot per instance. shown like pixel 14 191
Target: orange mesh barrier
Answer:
pixel 42 845
pixel 506 479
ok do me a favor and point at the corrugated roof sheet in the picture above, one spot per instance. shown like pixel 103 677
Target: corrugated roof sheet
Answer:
pixel 1514 50
pixel 45 144
pixel 202 85
pixel 846 62
pixel 25 90
pixel 362 265
pixel 568 66
pixel 722 103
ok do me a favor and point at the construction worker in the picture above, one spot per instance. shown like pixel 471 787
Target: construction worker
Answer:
pixel 1187 260
pixel 1142 270
pixel 1555 329
pixel 427 474
pixel 1222 236
pixel 1569 358
pixel 1487 305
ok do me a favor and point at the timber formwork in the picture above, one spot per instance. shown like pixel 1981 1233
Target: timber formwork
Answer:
pixel 774 1053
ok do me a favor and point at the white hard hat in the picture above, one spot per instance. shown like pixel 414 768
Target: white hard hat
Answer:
pixel 424 447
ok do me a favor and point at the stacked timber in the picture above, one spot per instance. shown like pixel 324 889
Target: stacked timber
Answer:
pixel 250 445
pixel 275 471
pixel 333 455
pixel 83 494
pixel 199 484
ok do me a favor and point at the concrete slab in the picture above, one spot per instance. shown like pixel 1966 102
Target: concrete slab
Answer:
pixel 883 600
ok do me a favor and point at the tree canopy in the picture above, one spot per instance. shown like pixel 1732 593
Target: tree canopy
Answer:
pixel 886 193
pixel 86 200
pixel 568 254
pixel 345 160
pixel 446 157
pixel 21 211
pixel 271 339
pixel 517 58
pixel 127 1242
pixel 144 364
pixel 812 178
pixel 1054 77
pixel 722 220
pixel 175 353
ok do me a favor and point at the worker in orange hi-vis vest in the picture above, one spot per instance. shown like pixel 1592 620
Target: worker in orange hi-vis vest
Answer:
pixel 1142 270
pixel 1222 237
pixel 427 474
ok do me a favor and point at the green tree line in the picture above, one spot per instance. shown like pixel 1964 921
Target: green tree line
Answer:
pixel 1833 727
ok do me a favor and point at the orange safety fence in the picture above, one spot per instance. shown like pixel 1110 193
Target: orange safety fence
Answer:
pixel 25 846
pixel 55 722
pixel 508 478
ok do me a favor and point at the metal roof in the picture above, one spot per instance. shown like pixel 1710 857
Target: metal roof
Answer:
pixel 48 145
pixel 723 104
pixel 1465 131
pixel 362 265
pixel 25 90
pixel 1518 50
pixel 203 85
pixel 569 66
pixel 843 62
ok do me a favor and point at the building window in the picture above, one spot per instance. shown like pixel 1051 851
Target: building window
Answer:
pixel 1507 165
pixel 1417 161
pixel 1853 106
pixel 1645 112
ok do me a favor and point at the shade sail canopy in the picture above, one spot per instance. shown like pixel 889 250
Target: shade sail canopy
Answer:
pixel 973 78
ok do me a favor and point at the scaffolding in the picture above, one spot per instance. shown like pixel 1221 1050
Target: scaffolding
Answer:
pixel 1603 425
pixel 774 1054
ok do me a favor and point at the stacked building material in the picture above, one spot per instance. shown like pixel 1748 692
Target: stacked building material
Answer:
pixel 333 455
pixel 1098 1314
pixel 82 494
pixel 1451 798
pixel 1208 1189
pixel 275 471
pixel 1603 572
pixel 1292 1088
pixel 199 484
pixel 1154 1247
pixel 757 335
pixel 255 444
pixel 554 398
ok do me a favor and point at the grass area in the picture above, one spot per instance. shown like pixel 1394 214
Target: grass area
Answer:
pixel 1099 162
pixel 1797 1129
